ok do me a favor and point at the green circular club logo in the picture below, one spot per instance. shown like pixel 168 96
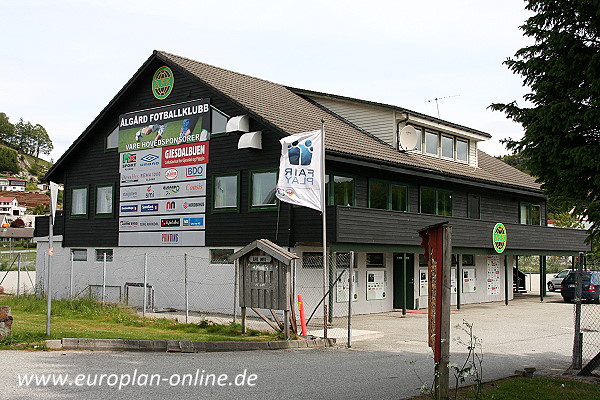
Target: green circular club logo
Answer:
pixel 499 238
pixel 162 82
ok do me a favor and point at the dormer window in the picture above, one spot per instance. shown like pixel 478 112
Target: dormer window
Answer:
pixel 442 145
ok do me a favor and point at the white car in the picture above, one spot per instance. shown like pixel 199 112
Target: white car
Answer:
pixel 556 280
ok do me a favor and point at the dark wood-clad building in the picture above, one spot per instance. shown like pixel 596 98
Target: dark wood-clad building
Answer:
pixel 184 159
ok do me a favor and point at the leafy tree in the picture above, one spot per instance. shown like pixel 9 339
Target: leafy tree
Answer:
pixel 8 161
pixel 6 129
pixel 561 142
pixel 43 143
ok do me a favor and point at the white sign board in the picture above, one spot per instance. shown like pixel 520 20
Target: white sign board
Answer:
pixel 493 275
pixel 162 222
pixel 469 282
pixel 170 190
pixel 343 287
pixel 423 282
pixel 175 206
pixel 159 175
pixel 376 285
pixel 166 238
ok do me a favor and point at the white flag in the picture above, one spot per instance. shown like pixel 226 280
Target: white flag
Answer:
pixel 53 198
pixel 301 175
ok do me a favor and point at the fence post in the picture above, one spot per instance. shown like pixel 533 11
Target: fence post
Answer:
pixel 104 278
pixel 18 274
pixel 350 290
pixel 145 284
pixel 236 273
pixel 71 278
pixel 578 338
pixel 185 284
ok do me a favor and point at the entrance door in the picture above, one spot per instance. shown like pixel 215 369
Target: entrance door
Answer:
pixel 399 284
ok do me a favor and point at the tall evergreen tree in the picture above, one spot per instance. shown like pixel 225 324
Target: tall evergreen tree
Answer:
pixel 561 143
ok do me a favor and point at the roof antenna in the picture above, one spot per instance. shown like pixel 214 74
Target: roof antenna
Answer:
pixel 440 98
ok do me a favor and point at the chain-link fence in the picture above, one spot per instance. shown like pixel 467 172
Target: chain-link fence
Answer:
pixel 17 272
pixel 327 295
pixel 586 345
pixel 190 287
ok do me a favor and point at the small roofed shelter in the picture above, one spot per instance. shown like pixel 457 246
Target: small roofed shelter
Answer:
pixel 263 273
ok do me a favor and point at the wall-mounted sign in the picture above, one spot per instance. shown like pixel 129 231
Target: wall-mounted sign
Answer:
pixel 162 222
pixel 172 174
pixel 166 190
pixel 260 259
pixel 469 280
pixel 499 238
pixel 343 287
pixel 165 206
pixel 185 154
pixel 162 83
pixel 375 285
pixel 162 238
pixel 493 275
pixel 172 125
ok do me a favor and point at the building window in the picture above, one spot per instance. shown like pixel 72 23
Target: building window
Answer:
pixel 474 207
pixel 531 214
pixel 388 196
pixel 339 190
pixel 442 145
pixel 419 146
pixel 104 201
pixel 79 202
pixel 436 201
pixel 112 140
pixel 468 259
pixel 462 150
pixel 263 184
pixel 226 193
pixel 79 254
pixel 447 147
pixel 431 143
pixel 218 121
pixel 101 252
pixel 375 260
pixel 378 194
pixel 312 259
pixel 220 256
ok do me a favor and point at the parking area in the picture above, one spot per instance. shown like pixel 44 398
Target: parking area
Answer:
pixel 528 331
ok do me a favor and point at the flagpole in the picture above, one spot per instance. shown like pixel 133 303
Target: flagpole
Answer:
pixel 324 223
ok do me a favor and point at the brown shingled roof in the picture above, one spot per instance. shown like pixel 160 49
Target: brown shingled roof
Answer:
pixel 293 114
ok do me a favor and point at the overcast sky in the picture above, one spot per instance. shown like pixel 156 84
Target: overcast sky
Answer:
pixel 62 61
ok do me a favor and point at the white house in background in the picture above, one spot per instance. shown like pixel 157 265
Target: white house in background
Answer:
pixel 12 184
pixel 9 206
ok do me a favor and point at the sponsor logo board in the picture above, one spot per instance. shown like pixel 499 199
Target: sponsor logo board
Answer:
pixel 162 238
pixel 185 154
pixel 157 207
pixel 161 222
pixel 167 190
pixel 159 175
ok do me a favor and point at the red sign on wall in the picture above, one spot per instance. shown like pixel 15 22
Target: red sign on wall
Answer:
pixel 185 154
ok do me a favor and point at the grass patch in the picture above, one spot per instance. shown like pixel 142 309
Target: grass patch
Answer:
pixel 516 388
pixel 86 318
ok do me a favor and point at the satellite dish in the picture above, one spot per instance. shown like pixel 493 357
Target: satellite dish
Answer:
pixel 408 138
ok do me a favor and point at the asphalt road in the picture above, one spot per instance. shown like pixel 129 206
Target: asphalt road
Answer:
pixel 389 366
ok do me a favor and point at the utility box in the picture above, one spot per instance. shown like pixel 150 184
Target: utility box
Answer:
pixel 264 277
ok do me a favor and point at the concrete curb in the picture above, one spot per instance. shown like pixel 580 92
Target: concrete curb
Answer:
pixel 181 346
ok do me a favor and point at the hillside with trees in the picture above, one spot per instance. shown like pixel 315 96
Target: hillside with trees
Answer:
pixel 21 144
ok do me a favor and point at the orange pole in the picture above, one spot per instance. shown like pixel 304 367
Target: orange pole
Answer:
pixel 302 317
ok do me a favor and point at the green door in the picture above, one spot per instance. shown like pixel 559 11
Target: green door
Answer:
pixel 400 285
